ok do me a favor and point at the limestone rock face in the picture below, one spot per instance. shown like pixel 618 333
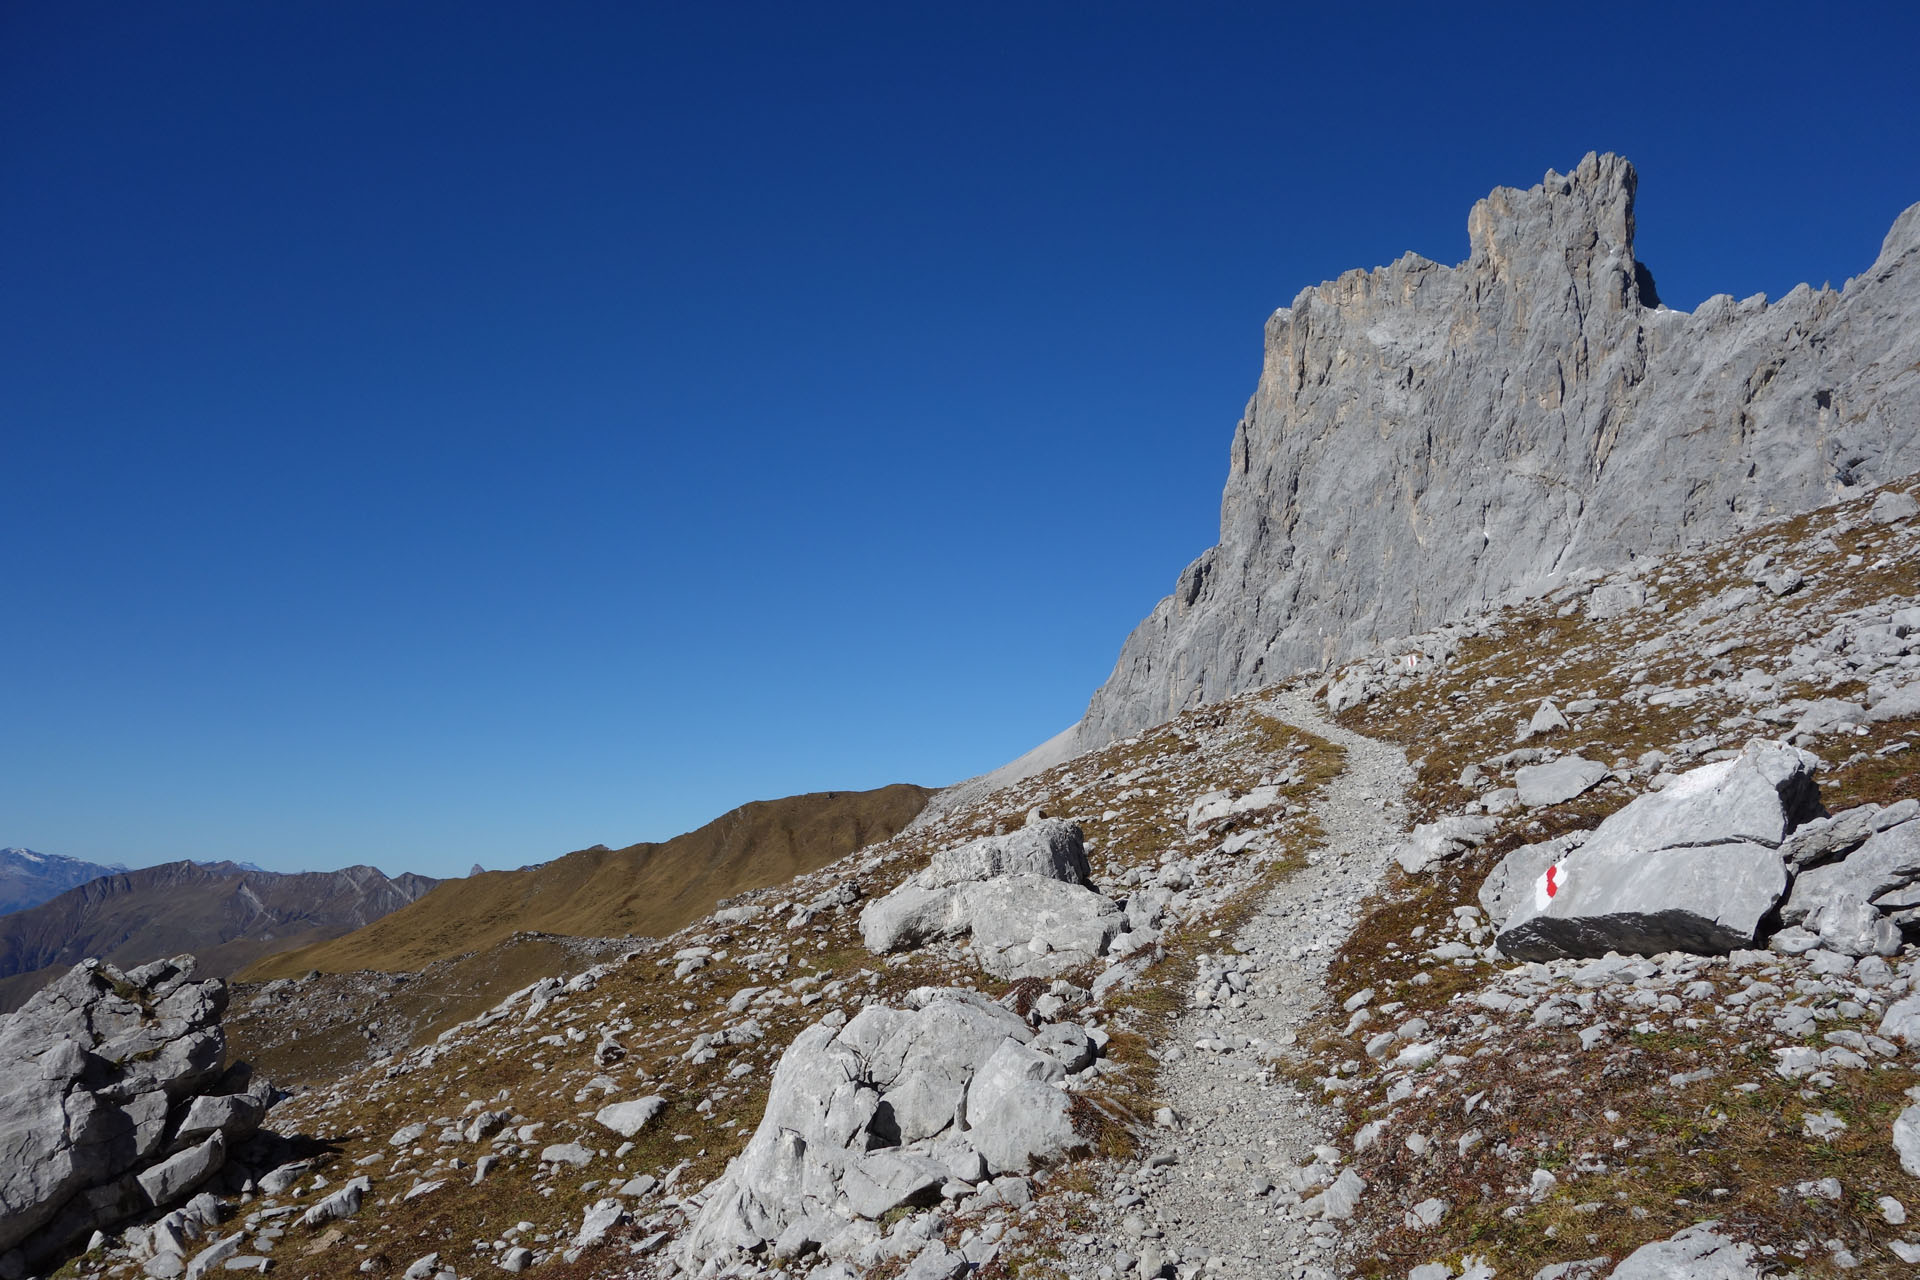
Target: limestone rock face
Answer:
pixel 1859 904
pixel 1425 440
pixel 101 1109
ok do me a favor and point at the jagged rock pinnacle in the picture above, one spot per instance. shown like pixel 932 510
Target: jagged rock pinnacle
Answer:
pixel 1427 440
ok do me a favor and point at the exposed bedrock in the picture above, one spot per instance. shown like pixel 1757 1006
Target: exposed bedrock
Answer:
pixel 1426 440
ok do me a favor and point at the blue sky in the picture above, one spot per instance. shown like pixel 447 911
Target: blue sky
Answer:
pixel 453 432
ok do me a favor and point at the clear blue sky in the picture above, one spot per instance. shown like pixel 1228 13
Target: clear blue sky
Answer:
pixel 472 431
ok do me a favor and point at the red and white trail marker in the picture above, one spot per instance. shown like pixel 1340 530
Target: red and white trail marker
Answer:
pixel 1549 885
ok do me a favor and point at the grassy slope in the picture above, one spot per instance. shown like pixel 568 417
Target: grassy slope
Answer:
pixel 645 889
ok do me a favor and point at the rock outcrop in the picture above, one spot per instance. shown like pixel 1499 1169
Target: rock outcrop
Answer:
pixel 897 1108
pixel 1425 440
pixel 1022 896
pixel 1858 906
pixel 113 1102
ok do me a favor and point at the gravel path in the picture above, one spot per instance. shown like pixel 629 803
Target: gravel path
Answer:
pixel 1211 1205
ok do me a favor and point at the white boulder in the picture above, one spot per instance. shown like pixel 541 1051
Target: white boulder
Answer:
pixel 1694 867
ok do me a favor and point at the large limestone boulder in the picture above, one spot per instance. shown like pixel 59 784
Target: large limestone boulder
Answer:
pixel 912 916
pixel 1047 847
pixel 882 1113
pixel 101 1116
pixel 1512 881
pixel 1695 867
pixel 1033 927
pixel 1022 896
pixel 1016 1115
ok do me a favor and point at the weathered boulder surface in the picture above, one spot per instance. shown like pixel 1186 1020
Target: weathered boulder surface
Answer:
pixel 899 1107
pixel 1557 781
pixel 1045 847
pixel 1694 867
pixel 102 1113
pixel 1032 927
pixel 629 1118
pixel 1022 896
pixel 1218 806
pixel 1698 1253
pixel 1906 1139
pixel 1901 704
pixel 1425 440
pixel 1860 904
pixel 1512 880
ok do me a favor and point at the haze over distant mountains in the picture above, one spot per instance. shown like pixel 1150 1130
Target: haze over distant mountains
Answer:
pixel 234 916
pixel 28 879
pixel 223 913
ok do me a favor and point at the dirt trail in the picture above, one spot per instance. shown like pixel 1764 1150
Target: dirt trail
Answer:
pixel 1240 1131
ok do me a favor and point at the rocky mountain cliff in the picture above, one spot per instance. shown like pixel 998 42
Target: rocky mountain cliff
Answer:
pixel 28 879
pixel 223 914
pixel 1426 440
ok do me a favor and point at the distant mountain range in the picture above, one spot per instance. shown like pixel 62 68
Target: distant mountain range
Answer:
pixel 28 879
pixel 227 914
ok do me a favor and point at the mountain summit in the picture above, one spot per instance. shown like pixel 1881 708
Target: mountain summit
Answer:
pixel 1426 440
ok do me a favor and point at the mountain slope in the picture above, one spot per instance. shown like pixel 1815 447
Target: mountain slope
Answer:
pixel 225 916
pixel 1427 440
pixel 1314 1061
pixel 644 889
pixel 28 879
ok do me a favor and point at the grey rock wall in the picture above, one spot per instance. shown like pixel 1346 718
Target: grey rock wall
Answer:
pixel 1426 440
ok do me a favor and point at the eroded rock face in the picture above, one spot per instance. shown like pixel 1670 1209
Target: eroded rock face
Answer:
pixel 898 1107
pixel 1425 440
pixel 100 1113
pixel 1695 867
